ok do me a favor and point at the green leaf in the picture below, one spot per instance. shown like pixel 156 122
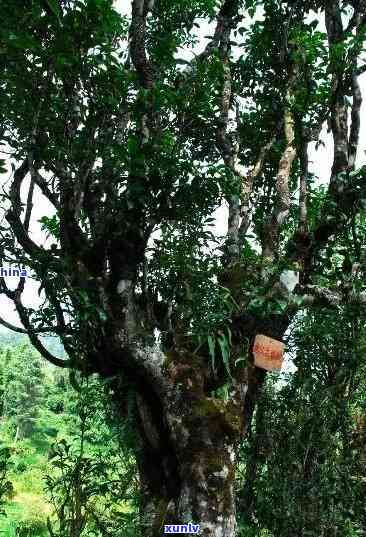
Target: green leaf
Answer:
pixel 180 61
pixel 229 335
pixel 225 351
pixel 211 345
pixel 55 8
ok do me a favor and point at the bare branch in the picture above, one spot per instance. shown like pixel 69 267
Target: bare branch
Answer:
pixel 247 186
pixel 29 205
pixel 314 295
pixel 22 312
pixel 227 19
pixel 284 171
pixel 272 228
pixel 339 118
pixel 229 155
pixel 42 184
pixel 13 214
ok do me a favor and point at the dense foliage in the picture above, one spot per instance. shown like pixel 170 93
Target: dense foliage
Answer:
pixel 138 131
pixel 69 474
pixel 75 475
pixel 305 459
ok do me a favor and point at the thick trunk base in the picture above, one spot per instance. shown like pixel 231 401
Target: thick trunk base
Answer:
pixel 200 492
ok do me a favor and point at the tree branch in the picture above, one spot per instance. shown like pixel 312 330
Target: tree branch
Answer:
pixel 303 220
pixel 339 119
pixel 33 337
pixel 13 214
pixel 42 184
pixel 278 218
pixel 29 205
pixel 145 71
pixel 227 18
pixel 355 123
pixel 44 330
pixel 346 192
pixel 359 15
pixel 229 155
pixel 314 295
pixel 247 186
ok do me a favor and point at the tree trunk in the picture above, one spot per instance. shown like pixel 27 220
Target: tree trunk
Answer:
pixel 255 459
pixel 187 456
pixel 197 489
pixel 189 435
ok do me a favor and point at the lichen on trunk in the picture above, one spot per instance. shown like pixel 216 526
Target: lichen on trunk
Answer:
pixel 203 492
pixel 187 457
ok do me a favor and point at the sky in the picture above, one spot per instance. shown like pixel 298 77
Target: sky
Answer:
pixel 320 164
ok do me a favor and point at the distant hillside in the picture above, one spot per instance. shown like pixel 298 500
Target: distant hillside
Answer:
pixel 9 338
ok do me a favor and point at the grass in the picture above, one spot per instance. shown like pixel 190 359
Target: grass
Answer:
pixel 26 512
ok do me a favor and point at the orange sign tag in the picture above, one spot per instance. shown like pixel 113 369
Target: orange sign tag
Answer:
pixel 268 353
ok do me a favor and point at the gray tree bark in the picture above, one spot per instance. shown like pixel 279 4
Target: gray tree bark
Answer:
pixel 191 480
